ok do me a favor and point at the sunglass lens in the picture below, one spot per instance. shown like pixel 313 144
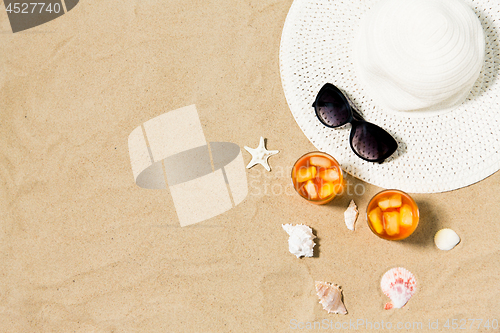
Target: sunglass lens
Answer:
pixel 332 107
pixel 371 142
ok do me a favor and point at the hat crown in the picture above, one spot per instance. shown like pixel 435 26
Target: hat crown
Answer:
pixel 419 55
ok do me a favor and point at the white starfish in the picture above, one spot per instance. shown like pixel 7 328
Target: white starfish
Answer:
pixel 260 155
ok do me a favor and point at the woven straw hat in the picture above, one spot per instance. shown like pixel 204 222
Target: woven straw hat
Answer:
pixel 437 151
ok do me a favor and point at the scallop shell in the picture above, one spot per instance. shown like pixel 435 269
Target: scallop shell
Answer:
pixel 446 239
pixel 351 215
pixel 399 285
pixel 300 242
pixel 330 296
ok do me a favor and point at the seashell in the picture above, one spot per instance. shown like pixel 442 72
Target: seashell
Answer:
pixel 399 285
pixel 351 215
pixel 446 239
pixel 330 296
pixel 300 242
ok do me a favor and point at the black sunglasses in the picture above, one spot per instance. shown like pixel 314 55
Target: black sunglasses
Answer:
pixel 368 141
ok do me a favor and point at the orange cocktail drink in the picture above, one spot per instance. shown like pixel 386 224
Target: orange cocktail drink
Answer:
pixel 392 215
pixel 317 177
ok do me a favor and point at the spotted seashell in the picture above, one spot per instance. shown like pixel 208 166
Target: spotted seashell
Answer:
pixel 399 285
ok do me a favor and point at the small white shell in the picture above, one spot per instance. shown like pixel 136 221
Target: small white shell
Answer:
pixel 399 285
pixel 351 215
pixel 446 239
pixel 300 242
pixel 330 296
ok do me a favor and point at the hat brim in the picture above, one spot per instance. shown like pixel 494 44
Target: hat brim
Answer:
pixel 437 152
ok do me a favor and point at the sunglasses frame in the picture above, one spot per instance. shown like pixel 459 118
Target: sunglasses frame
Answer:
pixel 355 119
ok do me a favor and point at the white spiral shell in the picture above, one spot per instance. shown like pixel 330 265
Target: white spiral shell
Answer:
pixel 300 242
pixel 419 55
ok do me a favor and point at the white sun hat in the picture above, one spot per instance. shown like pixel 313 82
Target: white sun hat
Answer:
pixel 438 151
